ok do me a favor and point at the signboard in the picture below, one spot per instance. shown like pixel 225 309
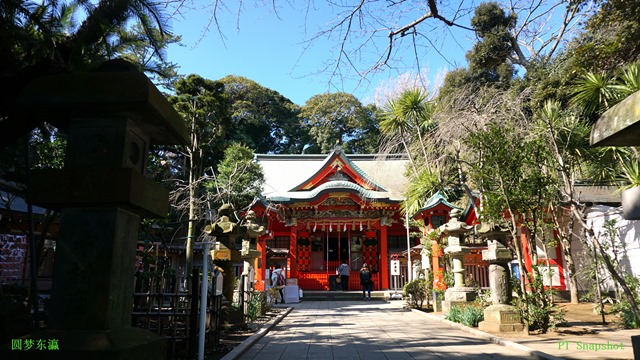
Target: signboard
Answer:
pixel 395 267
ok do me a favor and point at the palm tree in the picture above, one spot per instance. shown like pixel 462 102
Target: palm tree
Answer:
pixel 411 112
pixel 38 38
pixel 596 93
pixel 417 109
pixel 394 124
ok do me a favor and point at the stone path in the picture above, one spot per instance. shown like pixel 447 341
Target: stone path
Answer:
pixel 375 330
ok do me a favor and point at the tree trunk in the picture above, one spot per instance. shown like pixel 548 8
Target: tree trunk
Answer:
pixel 565 242
pixel 614 273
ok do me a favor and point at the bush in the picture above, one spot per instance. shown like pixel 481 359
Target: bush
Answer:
pixel 624 308
pixel 257 304
pixel 629 321
pixel 471 316
pixel 454 314
pixel 467 315
pixel 483 299
pixel 416 292
pixel 536 307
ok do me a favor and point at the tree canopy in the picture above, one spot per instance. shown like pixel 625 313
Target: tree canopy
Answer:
pixel 338 119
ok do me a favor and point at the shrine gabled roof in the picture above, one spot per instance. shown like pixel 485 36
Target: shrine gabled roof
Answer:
pixel 435 200
pixel 338 161
pixel 308 176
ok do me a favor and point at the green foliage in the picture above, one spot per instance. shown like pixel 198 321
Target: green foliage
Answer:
pixel 611 38
pixel 626 314
pixel 203 104
pixel 257 304
pixel 483 299
pixel 448 279
pixel 631 171
pixel 490 58
pixel 262 118
pixel 50 37
pixel 467 315
pixel 240 177
pixel 489 16
pixel 454 314
pixel 417 292
pixel 512 179
pixel 624 307
pixel 133 45
pixel 536 305
pixel 472 315
pixel 337 119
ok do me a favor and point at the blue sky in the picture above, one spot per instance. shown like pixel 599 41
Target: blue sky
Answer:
pixel 270 50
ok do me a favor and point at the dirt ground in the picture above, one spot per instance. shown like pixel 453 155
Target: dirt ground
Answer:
pixel 580 320
pixel 584 313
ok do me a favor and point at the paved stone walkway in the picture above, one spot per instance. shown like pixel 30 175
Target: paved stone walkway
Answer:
pixel 375 330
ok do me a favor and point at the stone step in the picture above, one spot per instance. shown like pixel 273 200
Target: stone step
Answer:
pixel 343 295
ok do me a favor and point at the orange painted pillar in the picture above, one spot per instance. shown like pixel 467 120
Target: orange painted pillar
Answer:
pixel 293 253
pixel 261 263
pixel 384 259
pixel 438 276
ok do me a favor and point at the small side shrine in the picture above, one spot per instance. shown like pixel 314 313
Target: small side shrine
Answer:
pixel 321 210
pixel 434 213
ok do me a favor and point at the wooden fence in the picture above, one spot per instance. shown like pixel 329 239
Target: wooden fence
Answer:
pixel 161 309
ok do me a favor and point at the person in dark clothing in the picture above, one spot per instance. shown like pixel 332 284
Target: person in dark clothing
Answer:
pixel 366 282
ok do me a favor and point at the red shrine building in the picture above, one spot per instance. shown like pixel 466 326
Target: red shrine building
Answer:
pixel 321 210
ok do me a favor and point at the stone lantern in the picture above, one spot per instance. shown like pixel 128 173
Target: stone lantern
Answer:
pixel 112 116
pixel 226 230
pixel 500 316
pixel 456 231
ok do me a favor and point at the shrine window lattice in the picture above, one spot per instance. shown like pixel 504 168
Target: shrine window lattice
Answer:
pixel 278 242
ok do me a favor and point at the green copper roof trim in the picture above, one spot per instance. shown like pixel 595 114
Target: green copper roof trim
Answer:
pixel 331 185
pixel 433 201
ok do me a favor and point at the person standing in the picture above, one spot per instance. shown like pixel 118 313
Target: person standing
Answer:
pixel 344 271
pixel 278 281
pixel 366 282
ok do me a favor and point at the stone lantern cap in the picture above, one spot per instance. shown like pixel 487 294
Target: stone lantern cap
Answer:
pixel 117 87
pixel 454 226
pixel 496 252
pixel 492 231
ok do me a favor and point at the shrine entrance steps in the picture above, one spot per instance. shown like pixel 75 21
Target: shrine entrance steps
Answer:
pixel 309 295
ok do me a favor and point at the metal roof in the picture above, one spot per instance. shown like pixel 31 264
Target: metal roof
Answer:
pixel 285 172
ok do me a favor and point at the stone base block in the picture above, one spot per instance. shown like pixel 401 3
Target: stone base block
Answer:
pixel 123 344
pixel 458 296
pixel 501 318
pixel 493 327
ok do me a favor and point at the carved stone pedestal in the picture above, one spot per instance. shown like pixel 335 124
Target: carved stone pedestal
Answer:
pixel 458 296
pixel 501 318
